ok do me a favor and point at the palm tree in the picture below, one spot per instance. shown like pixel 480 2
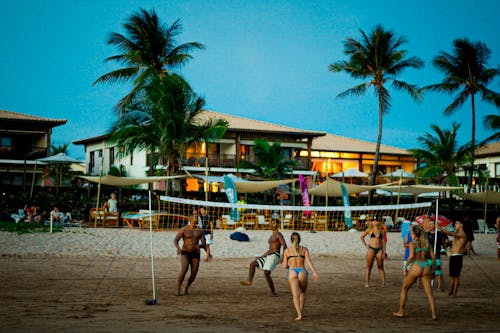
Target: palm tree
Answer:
pixel 149 49
pixel 57 170
pixel 441 156
pixel 492 121
pixel 466 73
pixel 163 119
pixel 270 163
pixel 378 58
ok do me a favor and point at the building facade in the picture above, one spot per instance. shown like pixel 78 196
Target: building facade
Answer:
pixel 314 152
pixel 24 139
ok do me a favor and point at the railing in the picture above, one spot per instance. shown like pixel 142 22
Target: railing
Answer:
pixel 21 154
pixel 229 161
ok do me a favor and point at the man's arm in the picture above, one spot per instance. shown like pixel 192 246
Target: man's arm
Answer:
pixel 176 240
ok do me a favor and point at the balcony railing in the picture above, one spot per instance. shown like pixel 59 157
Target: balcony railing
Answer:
pixel 229 161
pixel 12 153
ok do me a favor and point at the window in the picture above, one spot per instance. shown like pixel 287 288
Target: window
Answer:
pixel 111 156
pixel 497 170
pixel 92 160
pixel 5 141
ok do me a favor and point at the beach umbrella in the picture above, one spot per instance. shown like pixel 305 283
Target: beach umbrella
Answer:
pixel 59 159
pixel 442 220
pixel 350 173
pixel 400 174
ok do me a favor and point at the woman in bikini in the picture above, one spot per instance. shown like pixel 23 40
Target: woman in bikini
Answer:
pixel 422 259
pixel 375 250
pixel 294 258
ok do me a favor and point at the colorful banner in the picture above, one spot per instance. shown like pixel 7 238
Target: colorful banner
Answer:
pixel 345 199
pixel 305 195
pixel 232 197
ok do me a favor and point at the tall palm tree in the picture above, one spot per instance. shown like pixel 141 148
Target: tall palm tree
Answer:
pixel 466 73
pixel 163 119
pixel 149 48
pixel 378 58
pixel 440 155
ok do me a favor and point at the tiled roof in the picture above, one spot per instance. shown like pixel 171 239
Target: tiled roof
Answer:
pixel 490 149
pixel 237 123
pixel 331 142
pixel 9 115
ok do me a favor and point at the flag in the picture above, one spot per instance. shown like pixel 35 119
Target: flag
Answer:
pixel 305 195
pixel 347 206
pixel 232 197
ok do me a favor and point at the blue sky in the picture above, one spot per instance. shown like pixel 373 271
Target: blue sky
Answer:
pixel 265 60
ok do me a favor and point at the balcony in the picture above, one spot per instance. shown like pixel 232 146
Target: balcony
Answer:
pixel 229 161
pixel 13 153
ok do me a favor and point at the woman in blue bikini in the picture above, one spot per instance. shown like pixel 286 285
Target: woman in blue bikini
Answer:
pixel 422 259
pixel 375 250
pixel 294 259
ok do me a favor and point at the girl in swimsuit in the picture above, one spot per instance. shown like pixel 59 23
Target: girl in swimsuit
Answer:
pixel 420 252
pixel 375 250
pixel 294 258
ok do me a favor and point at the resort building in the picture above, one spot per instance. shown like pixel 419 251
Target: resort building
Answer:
pixel 23 139
pixel 487 158
pixel 314 152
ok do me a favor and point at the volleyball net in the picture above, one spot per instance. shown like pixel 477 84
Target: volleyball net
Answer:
pixel 175 213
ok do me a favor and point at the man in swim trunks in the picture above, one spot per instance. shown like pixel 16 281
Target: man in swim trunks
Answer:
pixel 268 261
pixel 457 255
pixel 190 252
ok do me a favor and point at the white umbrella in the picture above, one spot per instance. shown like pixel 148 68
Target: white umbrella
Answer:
pixel 351 172
pixel 400 174
pixel 60 159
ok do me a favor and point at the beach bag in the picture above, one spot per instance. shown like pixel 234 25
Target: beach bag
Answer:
pixel 239 236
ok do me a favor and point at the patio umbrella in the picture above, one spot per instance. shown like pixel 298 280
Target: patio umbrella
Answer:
pixel 442 220
pixel 58 159
pixel 400 174
pixel 350 173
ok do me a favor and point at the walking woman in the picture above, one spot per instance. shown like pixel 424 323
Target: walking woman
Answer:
pixel 422 259
pixel 294 259
pixel 375 250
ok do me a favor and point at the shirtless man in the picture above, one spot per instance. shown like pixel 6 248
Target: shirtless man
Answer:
pixel 268 261
pixel 457 255
pixel 190 252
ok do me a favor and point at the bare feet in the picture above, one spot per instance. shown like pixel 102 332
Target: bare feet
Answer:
pixel 367 285
pixel 246 283
pixel 209 258
pixel 298 318
pixel 399 314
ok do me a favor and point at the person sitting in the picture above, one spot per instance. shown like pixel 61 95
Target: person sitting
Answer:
pixel 56 216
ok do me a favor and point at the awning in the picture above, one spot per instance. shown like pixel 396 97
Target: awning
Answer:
pixel 332 188
pixel 126 181
pixel 260 186
pixel 418 189
pixel 489 197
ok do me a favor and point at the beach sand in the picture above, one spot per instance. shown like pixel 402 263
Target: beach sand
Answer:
pixel 96 280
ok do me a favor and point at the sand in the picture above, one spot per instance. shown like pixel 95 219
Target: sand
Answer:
pixel 96 280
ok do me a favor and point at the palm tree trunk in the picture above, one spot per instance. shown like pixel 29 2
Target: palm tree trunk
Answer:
pixel 377 148
pixel 473 146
